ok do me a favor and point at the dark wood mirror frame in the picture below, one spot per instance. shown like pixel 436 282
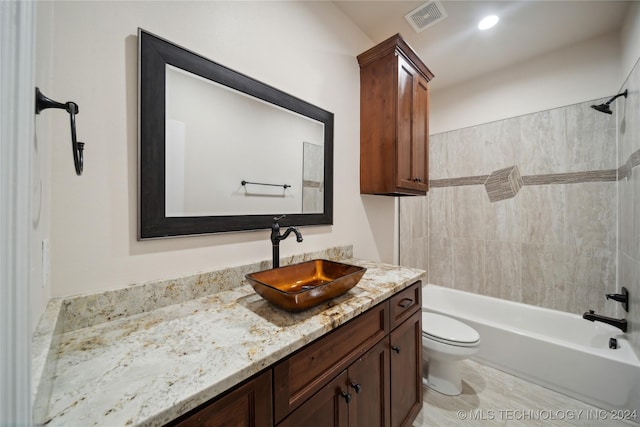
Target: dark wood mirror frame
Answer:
pixel 154 54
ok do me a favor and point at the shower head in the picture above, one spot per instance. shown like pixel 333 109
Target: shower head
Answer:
pixel 604 108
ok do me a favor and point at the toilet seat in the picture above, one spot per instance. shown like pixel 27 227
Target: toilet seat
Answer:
pixel 448 331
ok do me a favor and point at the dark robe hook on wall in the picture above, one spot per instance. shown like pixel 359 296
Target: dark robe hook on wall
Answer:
pixel 42 103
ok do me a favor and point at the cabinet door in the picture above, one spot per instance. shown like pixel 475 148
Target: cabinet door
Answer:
pixel 406 371
pixel 369 385
pixel 412 128
pixel 249 405
pixel 420 131
pixel 406 77
pixel 327 408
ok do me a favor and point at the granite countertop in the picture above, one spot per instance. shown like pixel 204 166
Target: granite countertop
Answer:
pixel 151 367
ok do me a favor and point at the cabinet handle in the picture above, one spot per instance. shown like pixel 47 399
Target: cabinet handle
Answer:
pixel 346 396
pixel 417 179
pixel 406 302
pixel 395 348
pixel 356 387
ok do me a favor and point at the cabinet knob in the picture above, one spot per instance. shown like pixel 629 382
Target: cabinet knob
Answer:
pixel 395 348
pixel 347 396
pixel 356 387
pixel 417 179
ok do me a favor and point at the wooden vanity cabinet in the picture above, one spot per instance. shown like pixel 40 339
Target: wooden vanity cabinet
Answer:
pixel 380 387
pixel 358 396
pixel 247 405
pixel 365 373
pixel 394 120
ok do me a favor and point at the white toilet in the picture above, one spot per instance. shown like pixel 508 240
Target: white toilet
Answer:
pixel 445 342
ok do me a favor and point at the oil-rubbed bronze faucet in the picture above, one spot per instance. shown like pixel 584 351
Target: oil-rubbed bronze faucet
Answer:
pixel 618 323
pixel 276 237
pixel 622 298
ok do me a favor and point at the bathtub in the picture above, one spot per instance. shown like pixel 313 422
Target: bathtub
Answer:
pixel 555 349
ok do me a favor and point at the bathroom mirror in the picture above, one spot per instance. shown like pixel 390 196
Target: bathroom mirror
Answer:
pixel 220 151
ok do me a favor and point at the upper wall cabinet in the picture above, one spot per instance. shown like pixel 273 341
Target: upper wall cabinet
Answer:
pixel 394 120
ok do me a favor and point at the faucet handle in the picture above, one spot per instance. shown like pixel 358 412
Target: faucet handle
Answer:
pixel 622 298
pixel 278 218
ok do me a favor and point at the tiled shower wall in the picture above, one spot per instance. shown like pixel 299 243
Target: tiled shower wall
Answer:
pixel 553 244
pixel 629 200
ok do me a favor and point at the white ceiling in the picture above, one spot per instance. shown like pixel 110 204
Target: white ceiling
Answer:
pixel 455 50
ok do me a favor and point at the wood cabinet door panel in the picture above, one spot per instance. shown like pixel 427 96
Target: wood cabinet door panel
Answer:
pixel 327 408
pixel 377 126
pixel 404 134
pixel 369 385
pixel 420 131
pixel 249 405
pixel 406 371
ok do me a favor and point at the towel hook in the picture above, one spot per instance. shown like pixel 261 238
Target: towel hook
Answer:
pixel 42 103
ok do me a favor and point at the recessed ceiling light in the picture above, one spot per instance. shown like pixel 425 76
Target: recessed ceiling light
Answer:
pixel 488 22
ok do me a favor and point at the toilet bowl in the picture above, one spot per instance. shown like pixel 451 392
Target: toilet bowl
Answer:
pixel 445 342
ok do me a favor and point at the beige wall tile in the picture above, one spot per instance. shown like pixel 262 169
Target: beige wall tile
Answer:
pixel 440 212
pixel 627 112
pixel 542 214
pixel 465 148
pixel 438 156
pixel 419 253
pixel 501 144
pixel 591 138
pixel 468 265
pixel 503 270
pixel 590 214
pixel 503 220
pixel 467 207
pixel 544 272
pixel 542 143
pixel 440 261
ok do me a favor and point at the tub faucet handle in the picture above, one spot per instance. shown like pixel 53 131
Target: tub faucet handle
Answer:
pixel 622 298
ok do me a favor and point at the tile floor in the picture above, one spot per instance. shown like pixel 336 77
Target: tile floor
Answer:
pixel 493 398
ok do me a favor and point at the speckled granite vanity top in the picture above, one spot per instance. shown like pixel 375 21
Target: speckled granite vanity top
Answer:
pixel 156 351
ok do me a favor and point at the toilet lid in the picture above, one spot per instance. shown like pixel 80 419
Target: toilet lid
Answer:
pixel 444 328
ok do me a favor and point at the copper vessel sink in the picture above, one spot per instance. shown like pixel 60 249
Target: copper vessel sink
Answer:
pixel 301 286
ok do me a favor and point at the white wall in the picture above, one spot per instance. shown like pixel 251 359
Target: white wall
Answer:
pixel 307 49
pixel 578 73
pixel 630 40
pixel 40 283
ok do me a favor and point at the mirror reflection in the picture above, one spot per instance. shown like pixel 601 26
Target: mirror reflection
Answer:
pixel 260 158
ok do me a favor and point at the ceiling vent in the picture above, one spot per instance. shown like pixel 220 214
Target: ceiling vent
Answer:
pixel 426 15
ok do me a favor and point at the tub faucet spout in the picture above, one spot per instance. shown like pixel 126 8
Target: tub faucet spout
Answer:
pixel 618 323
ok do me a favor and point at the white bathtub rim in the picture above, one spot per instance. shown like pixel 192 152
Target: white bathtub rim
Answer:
pixel 610 387
pixel 624 354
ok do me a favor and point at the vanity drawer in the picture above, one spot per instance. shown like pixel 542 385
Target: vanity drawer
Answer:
pixel 405 303
pixel 299 376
